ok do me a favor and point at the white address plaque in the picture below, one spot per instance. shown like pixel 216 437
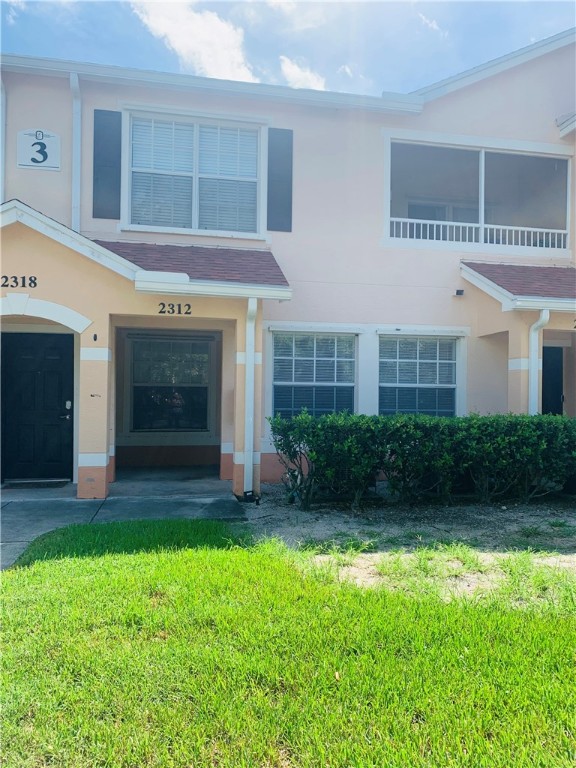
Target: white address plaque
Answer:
pixel 38 149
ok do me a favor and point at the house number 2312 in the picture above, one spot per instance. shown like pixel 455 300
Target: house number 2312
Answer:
pixel 174 309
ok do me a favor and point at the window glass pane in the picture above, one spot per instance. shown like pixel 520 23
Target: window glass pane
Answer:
pixel 303 370
pixel 427 373
pixel 446 373
pixel 388 372
pixel 141 143
pixel 227 205
pixel 525 190
pixel 446 402
pixel 162 200
pixel 427 401
pixel 408 349
pixel 283 345
pixel 447 349
pixel 345 346
pixel 303 398
pixel 283 370
pixel 325 346
pixel 344 399
pixel 304 345
pixel 345 371
pixel 325 370
pixel 170 409
pixel 407 373
pixel 407 400
pixel 388 400
pixel 324 400
pixel 388 348
pixel 428 349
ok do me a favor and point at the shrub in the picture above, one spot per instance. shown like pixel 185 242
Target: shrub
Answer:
pixel 504 456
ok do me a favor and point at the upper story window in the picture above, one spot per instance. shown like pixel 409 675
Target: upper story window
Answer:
pixel 193 175
pixel 474 196
pixel 315 371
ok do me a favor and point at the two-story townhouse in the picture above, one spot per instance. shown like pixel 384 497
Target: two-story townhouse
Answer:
pixel 183 257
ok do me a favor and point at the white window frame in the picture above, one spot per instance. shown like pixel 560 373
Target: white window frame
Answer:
pixel 417 338
pixel 318 384
pixel 196 119
pixel 480 144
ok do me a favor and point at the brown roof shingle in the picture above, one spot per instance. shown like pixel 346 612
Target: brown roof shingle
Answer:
pixel 527 280
pixel 231 265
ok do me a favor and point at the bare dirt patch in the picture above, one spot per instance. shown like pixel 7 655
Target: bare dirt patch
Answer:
pixel 547 528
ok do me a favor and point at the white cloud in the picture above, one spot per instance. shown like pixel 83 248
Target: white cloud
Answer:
pixel 432 24
pixel 300 15
pixel 12 13
pixel 298 76
pixel 345 70
pixel 204 43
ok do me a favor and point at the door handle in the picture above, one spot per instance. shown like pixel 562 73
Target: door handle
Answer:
pixel 67 417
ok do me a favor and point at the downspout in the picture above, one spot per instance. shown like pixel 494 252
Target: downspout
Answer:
pixel 533 349
pixel 249 399
pixel 76 150
pixel 3 123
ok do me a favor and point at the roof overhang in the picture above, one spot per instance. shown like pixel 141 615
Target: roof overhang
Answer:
pixel 17 212
pixel 145 281
pixel 510 301
pixel 179 283
pixel 390 103
pixel 566 124
pixel 496 66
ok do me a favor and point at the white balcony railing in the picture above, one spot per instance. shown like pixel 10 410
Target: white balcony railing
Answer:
pixel 489 234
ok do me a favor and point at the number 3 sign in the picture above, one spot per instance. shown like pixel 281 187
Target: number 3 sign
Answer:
pixel 38 149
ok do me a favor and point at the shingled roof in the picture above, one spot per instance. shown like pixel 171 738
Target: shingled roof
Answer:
pixel 527 280
pixel 201 263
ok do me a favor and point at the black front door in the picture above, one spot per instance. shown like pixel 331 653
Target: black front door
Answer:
pixel 37 397
pixel 552 380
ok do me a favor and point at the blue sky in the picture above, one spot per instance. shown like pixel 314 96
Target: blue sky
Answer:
pixel 357 47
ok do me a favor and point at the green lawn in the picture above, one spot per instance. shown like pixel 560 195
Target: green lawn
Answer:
pixel 170 644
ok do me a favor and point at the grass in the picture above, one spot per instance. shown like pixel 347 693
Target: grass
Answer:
pixel 173 644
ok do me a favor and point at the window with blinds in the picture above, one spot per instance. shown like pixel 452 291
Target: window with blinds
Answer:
pixel 194 176
pixel 417 375
pixel 313 371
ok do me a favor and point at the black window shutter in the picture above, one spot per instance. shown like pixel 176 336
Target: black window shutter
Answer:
pixel 279 180
pixel 107 158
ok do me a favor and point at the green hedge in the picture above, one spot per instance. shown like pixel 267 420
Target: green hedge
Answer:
pixel 489 457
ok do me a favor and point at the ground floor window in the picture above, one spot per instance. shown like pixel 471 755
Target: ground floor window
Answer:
pixel 316 371
pixel 417 375
pixel 169 384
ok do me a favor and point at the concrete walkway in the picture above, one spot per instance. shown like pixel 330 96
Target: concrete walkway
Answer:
pixel 138 495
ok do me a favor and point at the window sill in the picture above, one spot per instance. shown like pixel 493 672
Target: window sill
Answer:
pixel 192 232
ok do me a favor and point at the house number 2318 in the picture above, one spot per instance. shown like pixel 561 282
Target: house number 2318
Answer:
pixel 174 309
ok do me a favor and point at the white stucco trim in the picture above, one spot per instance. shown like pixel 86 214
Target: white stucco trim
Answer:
pixel 534 361
pixel 249 394
pixel 92 459
pixel 177 283
pixel 22 304
pixel 102 354
pixel 76 150
pixel 518 364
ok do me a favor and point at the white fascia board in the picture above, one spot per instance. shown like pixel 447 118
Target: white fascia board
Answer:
pixel 14 211
pixel 511 302
pixel 177 283
pixel 289 326
pixel 395 103
pixel 495 291
pixel 496 66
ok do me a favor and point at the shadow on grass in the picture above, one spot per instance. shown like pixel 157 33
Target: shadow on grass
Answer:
pixel 130 537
